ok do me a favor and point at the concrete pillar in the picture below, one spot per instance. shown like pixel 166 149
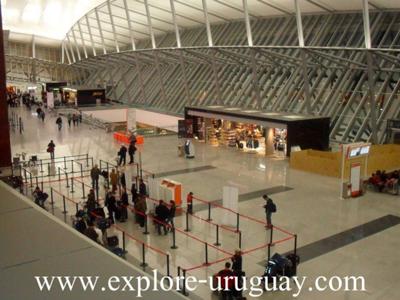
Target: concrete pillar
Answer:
pixel 269 141
pixel 5 157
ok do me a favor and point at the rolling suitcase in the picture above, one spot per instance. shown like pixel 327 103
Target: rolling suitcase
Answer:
pixel 112 241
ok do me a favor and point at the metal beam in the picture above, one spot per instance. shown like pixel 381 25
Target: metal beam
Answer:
pixel 128 19
pixel 91 35
pixel 367 32
pixel 113 26
pixel 173 12
pixel 299 23
pixel 150 27
pixel 83 41
pixel 100 31
pixel 248 25
pixel 207 21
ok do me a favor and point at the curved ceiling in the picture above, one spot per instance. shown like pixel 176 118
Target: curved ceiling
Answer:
pixel 53 18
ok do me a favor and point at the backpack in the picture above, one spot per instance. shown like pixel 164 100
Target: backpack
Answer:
pixel 273 207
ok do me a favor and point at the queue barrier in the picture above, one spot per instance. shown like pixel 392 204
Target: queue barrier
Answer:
pixel 118 228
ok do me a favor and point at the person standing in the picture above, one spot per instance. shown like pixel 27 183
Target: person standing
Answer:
pixel 50 148
pixel 114 180
pixel 237 262
pixel 122 155
pixel 189 203
pixel 134 193
pixel 42 115
pixel 59 123
pixel 162 213
pixel 270 208
pixel 142 188
pixel 140 210
pixel 111 204
pixel 69 117
pixel 74 119
pixel 131 152
pixel 95 174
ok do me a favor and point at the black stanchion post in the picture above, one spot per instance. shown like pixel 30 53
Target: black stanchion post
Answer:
pixel 174 246
pixel 77 207
pixel 269 252
pixel 146 231
pixel 83 191
pixel 26 178
pixel 66 176
pixel 30 177
pixel 65 209
pixel 168 273
pixel 41 185
pixel 48 169
pixel 206 253
pixel 295 244
pixel 271 234
pixel 123 241
pixel 92 161
pixel 87 160
pixel 108 176
pixel 41 166
pixel 184 282
pixel 59 174
pixel 65 163
pixel 51 196
pixel 143 264
pixel 187 222
pixel 72 185
pixel 209 212
pixel 72 166
pixel 81 170
pixel 37 181
pixel 237 222
pixel 217 236
pixel 240 240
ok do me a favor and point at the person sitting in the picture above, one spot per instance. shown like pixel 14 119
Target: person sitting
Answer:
pixel 80 225
pixel 39 196
pixel 91 233
pixel 162 214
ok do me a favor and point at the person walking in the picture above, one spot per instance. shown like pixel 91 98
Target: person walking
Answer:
pixel 122 155
pixel 42 115
pixel 114 180
pixel 270 208
pixel 69 118
pixel 74 119
pixel 59 123
pixel 189 203
pixel 95 175
pixel 50 148
pixel 131 152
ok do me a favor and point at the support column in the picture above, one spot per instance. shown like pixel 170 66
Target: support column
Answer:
pixel 371 92
pixel 306 87
pixel 5 146
pixel 269 141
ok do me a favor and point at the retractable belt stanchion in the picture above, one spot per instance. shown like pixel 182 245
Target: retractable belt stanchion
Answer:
pixel 51 196
pixel 217 243
pixel 72 185
pixel 146 231
pixel 237 222
pixel 65 209
pixel 295 253
pixel 41 166
pixel 83 191
pixel 269 252
pixel 271 234
pixel 65 163
pixel 108 174
pixel 66 176
pixel 206 253
pixel 209 212
pixel 123 241
pixel 174 246
pixel 184 282
pixel 187 222
pixel 240 240
pixel 41 185
pixel 30 178
pixel 59 174
pixel 37 181
pixel 72 166
pixel 87 160
pixel 77 207
pixel 143 264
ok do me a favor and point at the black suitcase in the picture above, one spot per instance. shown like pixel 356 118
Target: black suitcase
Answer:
pixel 118 251
pixel 112 241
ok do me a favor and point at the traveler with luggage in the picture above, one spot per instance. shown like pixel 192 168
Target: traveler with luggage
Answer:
pixel 162 213
pixel 39 196
pixel 91 233
pixel 270 208
pixel 122 155
pixel 50 149
pixel 225 280
pixel 59 123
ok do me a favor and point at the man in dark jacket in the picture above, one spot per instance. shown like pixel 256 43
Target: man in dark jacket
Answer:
pixel 162 214
pixel 142 188
pixel 270 208
pixel 50 148
pixel 131 152
pixel 122 155
pixel 95 174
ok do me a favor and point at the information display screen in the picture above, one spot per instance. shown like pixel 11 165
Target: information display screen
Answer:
pixel 364 150
pixel 355 152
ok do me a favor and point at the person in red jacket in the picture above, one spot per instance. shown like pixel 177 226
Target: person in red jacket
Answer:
pixel 226 278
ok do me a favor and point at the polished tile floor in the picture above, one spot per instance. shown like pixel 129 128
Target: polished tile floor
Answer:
pixel 308 205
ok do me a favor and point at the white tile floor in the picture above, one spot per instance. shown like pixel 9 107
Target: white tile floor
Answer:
pixel 312 209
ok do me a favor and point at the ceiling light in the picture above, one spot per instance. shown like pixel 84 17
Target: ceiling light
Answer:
pixel 11 14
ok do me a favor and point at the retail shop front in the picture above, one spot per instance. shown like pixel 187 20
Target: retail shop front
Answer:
pixel 256 131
